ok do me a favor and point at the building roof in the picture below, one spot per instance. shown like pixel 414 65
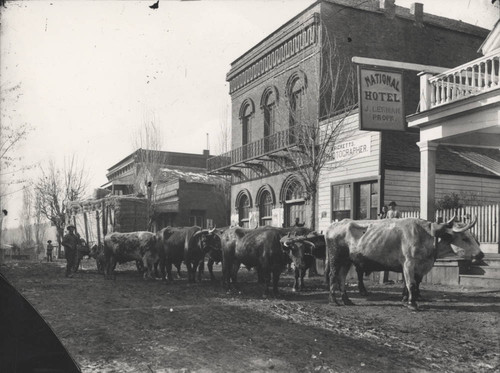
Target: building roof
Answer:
pixel 170 158
pixel 400 151
pixel 189 175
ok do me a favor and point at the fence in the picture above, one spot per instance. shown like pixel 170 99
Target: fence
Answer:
pixel 486 229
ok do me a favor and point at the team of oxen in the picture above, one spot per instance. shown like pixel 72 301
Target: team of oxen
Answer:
pixel 410 246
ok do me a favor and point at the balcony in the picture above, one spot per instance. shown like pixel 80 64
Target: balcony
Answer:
pixel 258 150
pixel 470 79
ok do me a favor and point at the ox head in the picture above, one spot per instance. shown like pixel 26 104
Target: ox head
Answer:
pixel 298 248
pixel 96 250
pixel 209 239
pixel 459 238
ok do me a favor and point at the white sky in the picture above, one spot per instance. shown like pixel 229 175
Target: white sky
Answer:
pixel 90 72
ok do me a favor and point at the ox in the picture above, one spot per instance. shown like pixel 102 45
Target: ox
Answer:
pixel 257 248
pixel 97 252
pixel 303 251
pixel 184 244
pixel 400 245
pixel 125 247
pixel 214 253
pixel 229 238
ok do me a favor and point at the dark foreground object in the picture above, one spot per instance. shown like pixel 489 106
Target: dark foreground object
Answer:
pixel 27 343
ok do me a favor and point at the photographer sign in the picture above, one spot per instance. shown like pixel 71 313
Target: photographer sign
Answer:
pixel 381 100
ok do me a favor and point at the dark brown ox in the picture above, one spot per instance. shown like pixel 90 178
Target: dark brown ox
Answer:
pixel 183 244
pixel 408 245
pixel 260 249
pixel 229 238
pixel 214 249
pixel 303 251
pixel 132 246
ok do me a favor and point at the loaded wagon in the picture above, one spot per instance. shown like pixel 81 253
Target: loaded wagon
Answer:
pixel 94 218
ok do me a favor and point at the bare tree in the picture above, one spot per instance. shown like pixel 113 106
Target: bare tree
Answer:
pixel 316 130
pixel 224 145
pixel 38 222
pixel 149 160
pixel 56 187
pixel 12 134
pixel 26 222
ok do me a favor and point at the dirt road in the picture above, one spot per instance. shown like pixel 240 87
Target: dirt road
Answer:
pixel 132 325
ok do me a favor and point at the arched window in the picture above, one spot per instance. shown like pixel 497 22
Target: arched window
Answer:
pixel 268 104
pixel 292 196
pixel 296 102
pixel 269 113
pixel 246 125
pixel 266 208
pixel 294 191
pixel 247 110
pixel 244 211
pixel 296 88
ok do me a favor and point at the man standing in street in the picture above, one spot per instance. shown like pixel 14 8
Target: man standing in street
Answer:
pixel 49 250
pixel 70 241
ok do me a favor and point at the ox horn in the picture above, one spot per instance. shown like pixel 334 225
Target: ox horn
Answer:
pixel 449 223
pixel 466 226
pixel 210 231
pixel 197 233
pixel 313 246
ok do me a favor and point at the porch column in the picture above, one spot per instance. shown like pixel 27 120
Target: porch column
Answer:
pixel 427 179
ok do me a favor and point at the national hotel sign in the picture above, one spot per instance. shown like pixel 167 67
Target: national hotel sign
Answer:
pixel 381 100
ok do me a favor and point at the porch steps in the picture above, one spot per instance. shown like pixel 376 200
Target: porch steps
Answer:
pixel 485 274
pixel 479 281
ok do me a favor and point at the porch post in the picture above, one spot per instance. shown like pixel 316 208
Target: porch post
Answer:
pixel 427 179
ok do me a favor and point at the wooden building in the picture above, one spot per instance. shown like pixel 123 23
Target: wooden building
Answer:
pixel 281 85
pixel 388 169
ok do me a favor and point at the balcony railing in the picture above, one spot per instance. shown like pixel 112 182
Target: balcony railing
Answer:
pixel 266 145
pixel 467 80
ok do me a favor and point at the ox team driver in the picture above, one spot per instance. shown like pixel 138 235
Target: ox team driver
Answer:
pixel 70 242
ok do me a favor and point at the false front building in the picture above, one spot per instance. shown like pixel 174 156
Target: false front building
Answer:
pixel 295 88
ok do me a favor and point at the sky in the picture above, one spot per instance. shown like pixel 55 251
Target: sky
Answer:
pixel 90 73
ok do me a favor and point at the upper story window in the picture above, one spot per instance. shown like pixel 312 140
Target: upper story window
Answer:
pixel 296 89
pixel 246 114
pixel 269 108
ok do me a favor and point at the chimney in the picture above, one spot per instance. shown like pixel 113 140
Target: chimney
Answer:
pixel 206 152
pixel 417 10
pixel 388 7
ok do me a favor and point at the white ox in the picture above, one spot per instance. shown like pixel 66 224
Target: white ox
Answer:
pixel 408 245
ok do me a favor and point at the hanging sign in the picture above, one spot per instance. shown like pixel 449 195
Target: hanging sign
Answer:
pixel 381 100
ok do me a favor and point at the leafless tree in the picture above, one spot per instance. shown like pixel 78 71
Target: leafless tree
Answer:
pixel 12 133
pixel 224 145
pixel 26 214
pixel 149 160
pixel 314 135
pixel 57 186
pixel 38 222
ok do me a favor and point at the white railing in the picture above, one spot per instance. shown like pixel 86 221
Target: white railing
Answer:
pixel 488 219
pixel 467 80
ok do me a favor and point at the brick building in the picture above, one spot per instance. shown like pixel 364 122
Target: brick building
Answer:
pixel 278 86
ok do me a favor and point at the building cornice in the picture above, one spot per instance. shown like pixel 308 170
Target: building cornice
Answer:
pixel 261 61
